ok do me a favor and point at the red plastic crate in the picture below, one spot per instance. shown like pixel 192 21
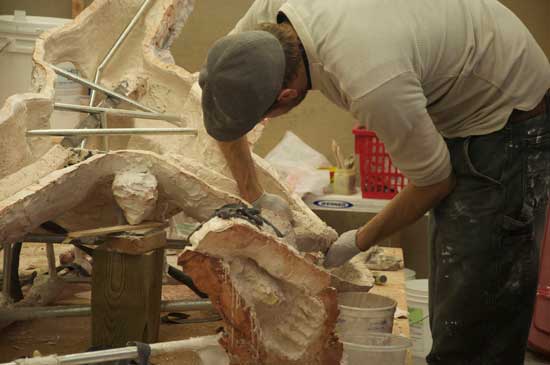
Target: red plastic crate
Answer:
pixel 379 178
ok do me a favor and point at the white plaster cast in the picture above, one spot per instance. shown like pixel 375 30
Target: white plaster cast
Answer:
pixel 54 159
pixel 49 198
pixel 145 66
pixel 288 304
pixel 136 194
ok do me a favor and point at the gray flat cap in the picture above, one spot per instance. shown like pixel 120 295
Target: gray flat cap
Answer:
pixel 241 79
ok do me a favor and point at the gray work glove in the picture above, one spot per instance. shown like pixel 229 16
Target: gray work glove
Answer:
pixel 342 250
pixel 275 204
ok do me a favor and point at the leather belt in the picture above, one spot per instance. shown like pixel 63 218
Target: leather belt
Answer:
pixel 521 116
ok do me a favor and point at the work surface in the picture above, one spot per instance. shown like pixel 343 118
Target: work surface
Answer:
pixel 71 335
pixel 395 289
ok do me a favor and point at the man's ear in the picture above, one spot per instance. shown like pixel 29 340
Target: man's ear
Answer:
pixel 286 95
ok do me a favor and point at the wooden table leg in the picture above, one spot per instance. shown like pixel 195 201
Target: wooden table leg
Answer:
pixel 126 296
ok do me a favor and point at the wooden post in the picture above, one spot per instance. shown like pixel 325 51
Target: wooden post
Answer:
pixel 6 280
pixel 126 289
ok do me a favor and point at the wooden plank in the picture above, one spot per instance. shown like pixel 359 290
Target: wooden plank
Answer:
pixel 113 229
pixel 126 297
pixel 136 244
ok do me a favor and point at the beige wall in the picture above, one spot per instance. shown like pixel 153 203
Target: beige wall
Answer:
pixel 54 8
pixel 536 16
pixel 316 121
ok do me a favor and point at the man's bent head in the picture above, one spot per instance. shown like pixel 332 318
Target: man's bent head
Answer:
pixel 241 80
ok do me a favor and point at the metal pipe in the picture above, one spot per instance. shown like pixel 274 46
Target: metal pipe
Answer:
pixel 104 126
pixel 115 47
pixel 97 87
pixel 117 112
pixel 129 352
pixel 110 132
pixel 88 280
pixel 185 305
pixel 29 313
pixel 98 357
pixel 94 357
pixel 59 238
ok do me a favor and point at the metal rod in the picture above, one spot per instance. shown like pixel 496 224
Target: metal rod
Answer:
pixel 185 305
pixel 117 112
pixel 104 126
pixel 51 260
pixel 94 357
pixel 88 280
pixel 97 357
pixel 115 47
pixel 59 238
pixel 97 87
pixel 129 352
pixel 29 313
pixel 110 132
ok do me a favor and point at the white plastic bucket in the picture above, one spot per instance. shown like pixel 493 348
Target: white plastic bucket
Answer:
pixel 375 349
pixel 419 321
pixel 18 34
pixel 362 313
pixel 409 274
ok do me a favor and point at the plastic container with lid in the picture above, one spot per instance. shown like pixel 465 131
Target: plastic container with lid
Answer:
pixel 375 349
pixel 362 313
pixel 419 322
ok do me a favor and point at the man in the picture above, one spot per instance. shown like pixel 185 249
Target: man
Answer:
pixel 456 91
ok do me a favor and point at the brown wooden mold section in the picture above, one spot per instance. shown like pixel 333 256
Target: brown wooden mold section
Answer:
pixel 239 338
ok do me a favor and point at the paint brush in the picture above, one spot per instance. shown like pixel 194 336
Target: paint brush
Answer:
pixel 340 158
pixel 337 155
pixel 349 162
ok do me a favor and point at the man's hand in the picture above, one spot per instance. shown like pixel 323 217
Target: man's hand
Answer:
pixel 275 204
pixel 342 250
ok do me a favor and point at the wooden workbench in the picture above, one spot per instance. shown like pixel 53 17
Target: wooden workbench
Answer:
pixel 395 289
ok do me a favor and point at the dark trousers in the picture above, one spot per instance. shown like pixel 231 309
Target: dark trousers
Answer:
pixel 484 254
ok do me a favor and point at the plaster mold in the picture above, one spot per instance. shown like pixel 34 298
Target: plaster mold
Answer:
pixel 276 311
pixel 178 190
pixel 136 194
pixel 146 69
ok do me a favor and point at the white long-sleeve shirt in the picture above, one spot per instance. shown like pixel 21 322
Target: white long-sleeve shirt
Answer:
pixel 416 71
